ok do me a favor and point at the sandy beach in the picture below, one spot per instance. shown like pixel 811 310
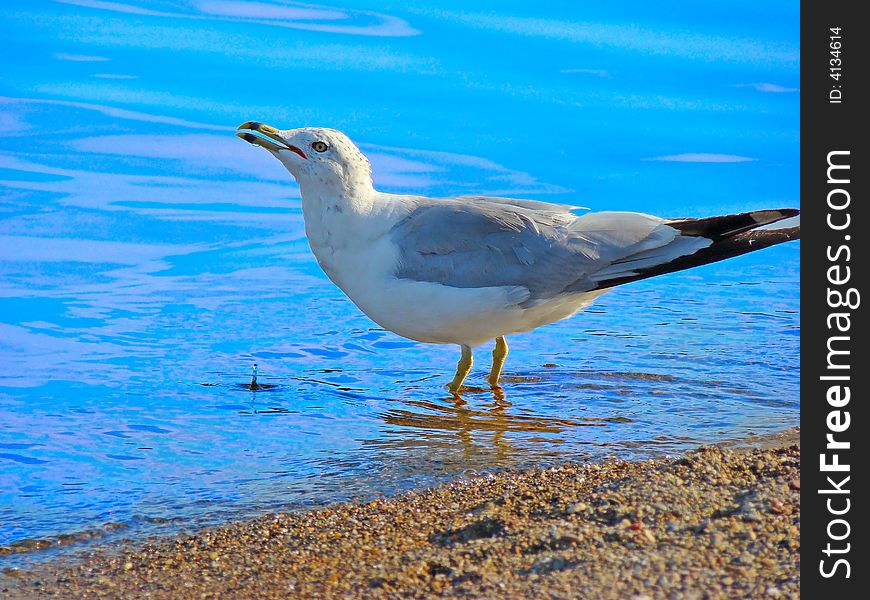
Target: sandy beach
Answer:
pixel 718 522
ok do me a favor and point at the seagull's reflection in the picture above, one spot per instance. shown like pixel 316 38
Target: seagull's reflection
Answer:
pixel 486 432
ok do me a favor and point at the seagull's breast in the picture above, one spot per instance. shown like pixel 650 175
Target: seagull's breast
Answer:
pixel 350 248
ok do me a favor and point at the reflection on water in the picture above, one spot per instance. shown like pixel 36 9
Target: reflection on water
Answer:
pixel 148 258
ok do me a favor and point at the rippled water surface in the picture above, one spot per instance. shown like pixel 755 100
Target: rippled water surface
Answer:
pixel 148 258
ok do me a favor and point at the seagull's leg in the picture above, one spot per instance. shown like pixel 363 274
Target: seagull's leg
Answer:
pixel 462 369
pixel 499 354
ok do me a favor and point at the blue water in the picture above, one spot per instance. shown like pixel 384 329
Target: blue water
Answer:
pixel 148 257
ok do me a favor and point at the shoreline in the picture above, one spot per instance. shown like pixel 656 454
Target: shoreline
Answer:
pixel 718 522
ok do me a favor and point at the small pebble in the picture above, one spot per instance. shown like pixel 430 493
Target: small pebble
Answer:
pixel 576 507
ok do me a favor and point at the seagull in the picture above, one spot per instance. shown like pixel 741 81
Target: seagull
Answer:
pixel 470 269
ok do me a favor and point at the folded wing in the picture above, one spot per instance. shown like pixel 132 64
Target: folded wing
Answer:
pixel 473 242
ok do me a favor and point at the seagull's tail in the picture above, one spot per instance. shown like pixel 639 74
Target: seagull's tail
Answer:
pixel 729 235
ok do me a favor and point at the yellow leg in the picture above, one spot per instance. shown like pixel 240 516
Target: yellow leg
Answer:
pixel 499 354
pixel 462 369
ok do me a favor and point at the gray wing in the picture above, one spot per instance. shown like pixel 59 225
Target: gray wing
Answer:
pixel 536 205
pixel 471 242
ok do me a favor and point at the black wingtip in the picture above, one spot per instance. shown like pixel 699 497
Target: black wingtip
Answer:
pixel 731 235
pixel 766 217
pixel 725 226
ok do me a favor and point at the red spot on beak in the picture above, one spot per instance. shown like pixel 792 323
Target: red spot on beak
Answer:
pixel 297 151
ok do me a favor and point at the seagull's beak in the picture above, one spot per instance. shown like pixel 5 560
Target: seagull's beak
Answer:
pixel 266 136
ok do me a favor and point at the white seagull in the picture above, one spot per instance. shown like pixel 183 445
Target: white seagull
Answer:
pixel 470 269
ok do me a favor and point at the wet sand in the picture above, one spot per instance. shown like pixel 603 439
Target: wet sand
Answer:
pixel 720 522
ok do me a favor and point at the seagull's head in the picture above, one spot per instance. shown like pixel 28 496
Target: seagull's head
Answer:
pixel 316 156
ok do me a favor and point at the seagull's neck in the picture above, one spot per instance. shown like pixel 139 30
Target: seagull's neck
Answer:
pixel 336 197
pixel 333 211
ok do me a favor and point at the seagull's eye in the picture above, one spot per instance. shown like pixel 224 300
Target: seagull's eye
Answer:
pixel 319 146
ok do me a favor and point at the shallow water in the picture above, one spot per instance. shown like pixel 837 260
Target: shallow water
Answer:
pixel 148 258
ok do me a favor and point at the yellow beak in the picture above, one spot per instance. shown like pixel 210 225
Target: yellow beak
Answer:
pixel 268 136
